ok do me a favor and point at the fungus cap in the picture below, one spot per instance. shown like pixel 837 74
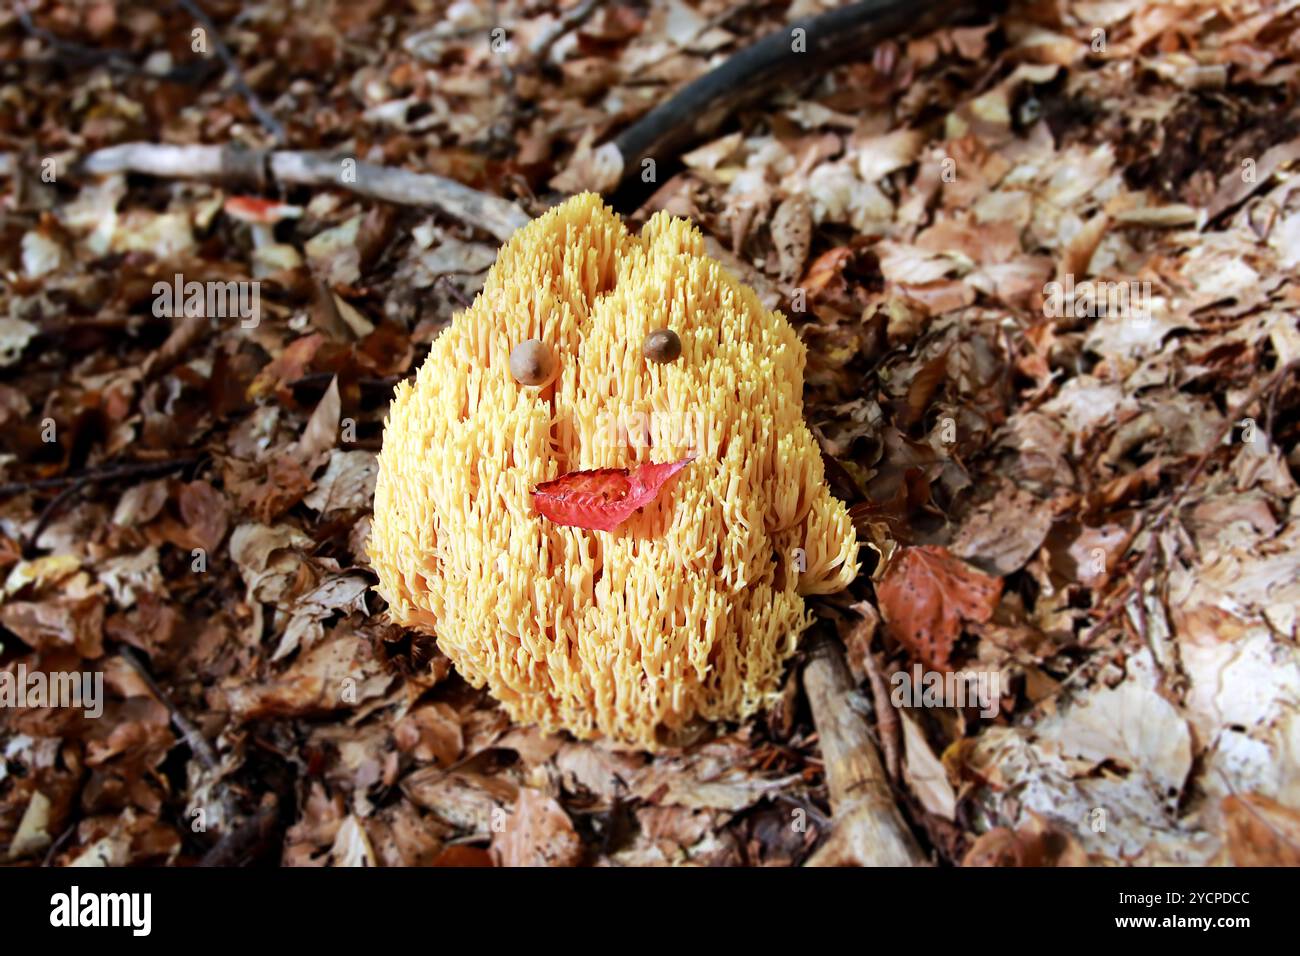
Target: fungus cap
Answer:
pixel 688 610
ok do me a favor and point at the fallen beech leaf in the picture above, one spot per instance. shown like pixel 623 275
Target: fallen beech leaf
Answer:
pixel 925 595
pixel 603 498
pixel 54 623
pixel 826 268
pixel 924 772
pixel 205 514
pixel 1038 843
pixel 431 734
pixel 1261 831
pixel 538 833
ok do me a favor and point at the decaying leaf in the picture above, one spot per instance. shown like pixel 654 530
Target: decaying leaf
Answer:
pixel 1049 356
pixel 1262 832
pixel 926 594
pixel 537 833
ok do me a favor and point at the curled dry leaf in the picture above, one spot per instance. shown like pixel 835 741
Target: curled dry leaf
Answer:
pixel 322 431
pixel 925 773
pixel 70 623
pixel 335 674
pixel 351 845
pixel 430 733
pixel 926 594
pixel 205 513
pixel 792 235
pixel 348 482
pixel 468 801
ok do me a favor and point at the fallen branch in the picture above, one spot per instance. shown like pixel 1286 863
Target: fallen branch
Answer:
pixel 779 59
pixel 289 167
pixel 868 829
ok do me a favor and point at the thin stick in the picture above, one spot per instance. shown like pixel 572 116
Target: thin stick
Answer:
pixel 32 542
pixel 888 728
pixel 498 216
pixel 58 844
pixel 67 47
pixel 569 21
pixel 255 106
pixel 198 744
pixel 135 469
pixel 1167 512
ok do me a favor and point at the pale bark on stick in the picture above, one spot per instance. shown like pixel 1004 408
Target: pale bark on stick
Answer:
pixel 290 167
pixel 867 829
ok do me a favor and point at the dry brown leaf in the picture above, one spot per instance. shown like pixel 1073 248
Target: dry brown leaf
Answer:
pixel 1037 843
pixel 431 733
pixel 1005 532
pixel 1261 832
pixel 926 594
pixel 537 833
pixel 792 235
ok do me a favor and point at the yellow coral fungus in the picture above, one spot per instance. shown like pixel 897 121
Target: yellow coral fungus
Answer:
pixel 689 609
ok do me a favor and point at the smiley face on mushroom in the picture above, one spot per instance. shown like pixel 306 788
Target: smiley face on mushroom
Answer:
pixel 626 589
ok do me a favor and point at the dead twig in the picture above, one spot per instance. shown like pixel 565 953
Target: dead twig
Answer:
pixel 498 216
pixel 569 21
pixel 115 60
pixel 72 484
pixel 198 744
pixel 1147 563
pixel 31 543
pixel 868 829
pixel 135 469
pixel 237 80
pixel 58 844
pixel 888 728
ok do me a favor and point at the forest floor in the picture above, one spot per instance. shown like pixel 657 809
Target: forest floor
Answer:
pixel 1045 267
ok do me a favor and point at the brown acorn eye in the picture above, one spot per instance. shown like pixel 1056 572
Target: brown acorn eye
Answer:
pixel 662 346
pixel 532 363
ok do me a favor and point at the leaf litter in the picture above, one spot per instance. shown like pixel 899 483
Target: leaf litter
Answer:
pixel 1098 505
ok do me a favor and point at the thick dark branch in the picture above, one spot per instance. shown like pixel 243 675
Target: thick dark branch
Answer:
pixel 781 58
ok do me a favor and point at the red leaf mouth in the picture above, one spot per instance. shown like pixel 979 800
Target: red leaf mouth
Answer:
pixel 601 499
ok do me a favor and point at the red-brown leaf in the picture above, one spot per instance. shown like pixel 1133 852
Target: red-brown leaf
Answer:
pixel 925 595
pixel 603 498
